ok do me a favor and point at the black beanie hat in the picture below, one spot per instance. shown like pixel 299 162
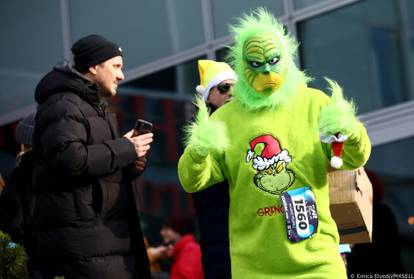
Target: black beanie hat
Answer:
pixel 93 50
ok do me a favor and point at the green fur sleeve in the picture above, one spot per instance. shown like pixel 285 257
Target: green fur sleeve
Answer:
pixel 357 149
pixel 339 115
pixel 203 135
pixel 197 172
pixel 205 141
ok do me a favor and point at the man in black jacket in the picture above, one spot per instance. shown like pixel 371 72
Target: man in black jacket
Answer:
pixel 85 218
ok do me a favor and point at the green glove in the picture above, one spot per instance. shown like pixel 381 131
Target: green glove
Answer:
pixel 204 136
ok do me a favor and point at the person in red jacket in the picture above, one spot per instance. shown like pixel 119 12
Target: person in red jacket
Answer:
pixel 177 234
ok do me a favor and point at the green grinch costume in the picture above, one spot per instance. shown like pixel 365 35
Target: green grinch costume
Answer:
pixel 267 143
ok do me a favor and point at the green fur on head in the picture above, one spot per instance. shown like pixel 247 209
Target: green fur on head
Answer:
pixel 339 115
pixel 261 21
pixel 203 135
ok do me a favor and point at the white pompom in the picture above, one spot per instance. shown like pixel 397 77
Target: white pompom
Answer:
pixel 336 162
pixel 200 89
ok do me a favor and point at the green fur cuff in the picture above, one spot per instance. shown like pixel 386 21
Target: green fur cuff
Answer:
pixel 339 115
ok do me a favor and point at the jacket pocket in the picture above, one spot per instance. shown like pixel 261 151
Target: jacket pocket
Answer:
pixel 88 201
pixel 115 203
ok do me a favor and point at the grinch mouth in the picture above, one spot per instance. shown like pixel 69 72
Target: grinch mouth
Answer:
pixel 269 85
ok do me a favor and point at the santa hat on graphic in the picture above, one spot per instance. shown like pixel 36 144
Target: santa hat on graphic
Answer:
pixel 270 154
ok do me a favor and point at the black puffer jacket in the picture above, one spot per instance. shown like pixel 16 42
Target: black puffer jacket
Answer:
pixel 84 209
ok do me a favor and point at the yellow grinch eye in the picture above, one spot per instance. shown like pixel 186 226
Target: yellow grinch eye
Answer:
pixel 269 171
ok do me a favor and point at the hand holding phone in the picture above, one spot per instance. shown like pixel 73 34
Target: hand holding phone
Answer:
pixel 142 127
pixel 141 137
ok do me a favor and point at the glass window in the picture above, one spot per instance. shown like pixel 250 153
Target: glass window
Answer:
pixel 223 54
pixel 31 43
pixel 225 12
pixel 300 4
pixel 392 163
pixel 358 46
pixel 411 40
pixel 410 12
pixel 179 80
pixel 146 30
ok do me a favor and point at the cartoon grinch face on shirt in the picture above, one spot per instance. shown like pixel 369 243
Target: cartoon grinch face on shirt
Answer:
pixel 272 175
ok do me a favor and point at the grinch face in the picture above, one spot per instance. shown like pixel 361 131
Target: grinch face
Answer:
pixel 274 179
pixel 265 68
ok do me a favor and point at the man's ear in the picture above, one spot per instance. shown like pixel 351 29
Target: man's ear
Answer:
pixel 92 69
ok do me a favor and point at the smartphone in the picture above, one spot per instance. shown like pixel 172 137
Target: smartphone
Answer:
pixel 142 127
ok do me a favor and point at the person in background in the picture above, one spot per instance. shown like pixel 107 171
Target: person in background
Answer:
pixel 177 234
pixel 216 82
pixel 16 202
pixel 155 256
pixel 85 216
pixel 212 204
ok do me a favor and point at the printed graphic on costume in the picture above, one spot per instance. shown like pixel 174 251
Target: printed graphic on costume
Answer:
pixel 272 175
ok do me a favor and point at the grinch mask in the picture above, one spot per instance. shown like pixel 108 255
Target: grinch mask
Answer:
pixel 263 58
pixel 264 69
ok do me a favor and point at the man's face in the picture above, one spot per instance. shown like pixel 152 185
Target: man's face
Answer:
pixel 107 75
pixel 221 94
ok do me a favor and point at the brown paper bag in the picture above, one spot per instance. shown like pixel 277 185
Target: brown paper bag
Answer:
pixel 350 194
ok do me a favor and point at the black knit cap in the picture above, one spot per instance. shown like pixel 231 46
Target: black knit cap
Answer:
pixel 93 50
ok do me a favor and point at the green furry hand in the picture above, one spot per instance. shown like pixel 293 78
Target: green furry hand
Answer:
pixel 339 116
pixel 204 136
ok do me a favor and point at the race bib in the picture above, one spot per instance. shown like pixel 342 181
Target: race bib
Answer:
pixel 300 212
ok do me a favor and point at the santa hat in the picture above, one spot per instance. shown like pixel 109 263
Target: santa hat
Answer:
pixel 336 160
pixel 270 154
pixel 211 74
pixel 337 144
